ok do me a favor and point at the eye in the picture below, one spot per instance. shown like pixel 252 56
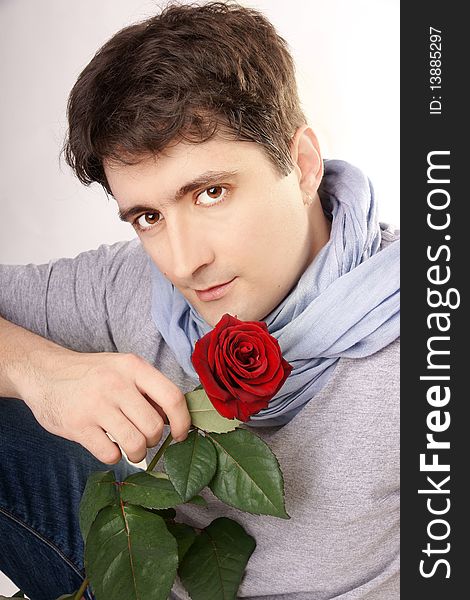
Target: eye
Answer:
pixel 146 221
pixel 212 195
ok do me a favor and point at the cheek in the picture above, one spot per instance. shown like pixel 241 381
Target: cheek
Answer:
pixel 263 234
pixel 258 241
pixel 157 255
pixel 237 236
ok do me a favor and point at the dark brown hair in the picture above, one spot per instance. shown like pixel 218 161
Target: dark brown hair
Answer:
pixel 184 74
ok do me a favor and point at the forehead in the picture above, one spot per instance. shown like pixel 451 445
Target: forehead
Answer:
pixel 182 163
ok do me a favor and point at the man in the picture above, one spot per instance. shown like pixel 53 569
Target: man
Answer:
pixel 192 122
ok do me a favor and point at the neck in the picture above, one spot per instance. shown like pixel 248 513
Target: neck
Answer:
pixel 319 225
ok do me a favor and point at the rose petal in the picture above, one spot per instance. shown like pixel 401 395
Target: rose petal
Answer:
pixel 247 371
pixel 246 410
pixel 258 351
pixel 226 409
pixel 268 389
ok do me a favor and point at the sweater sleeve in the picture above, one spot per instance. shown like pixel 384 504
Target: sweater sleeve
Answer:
pixel 69 300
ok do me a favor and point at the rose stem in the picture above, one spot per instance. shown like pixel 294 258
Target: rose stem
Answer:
pixel 81 591
pixel 158 455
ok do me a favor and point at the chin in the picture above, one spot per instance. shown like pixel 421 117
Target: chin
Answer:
pixel 213 319
pixel 242 313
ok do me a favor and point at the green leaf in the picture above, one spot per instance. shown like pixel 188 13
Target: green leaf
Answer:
pixel 198 500
pixel 165 513
pixel 100 491
pixel 191 464
pixel 130 555
pixel 204 416
pixel 146 489
pixel 159 474
pixel 66 597
pixel 213 566
pixel 248 475
pixel 184 536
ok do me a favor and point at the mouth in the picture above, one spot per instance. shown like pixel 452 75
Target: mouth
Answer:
pixel 216 292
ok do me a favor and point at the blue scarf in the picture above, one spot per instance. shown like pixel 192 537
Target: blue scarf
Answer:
pixel 346 303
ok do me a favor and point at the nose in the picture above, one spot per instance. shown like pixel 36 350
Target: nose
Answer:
pixel 189 249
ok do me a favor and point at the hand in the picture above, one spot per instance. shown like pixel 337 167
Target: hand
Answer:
pixel 81 396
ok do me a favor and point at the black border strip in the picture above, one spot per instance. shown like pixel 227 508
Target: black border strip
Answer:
pixel 434 133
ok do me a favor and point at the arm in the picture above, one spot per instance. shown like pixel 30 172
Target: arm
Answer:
pixel 65 300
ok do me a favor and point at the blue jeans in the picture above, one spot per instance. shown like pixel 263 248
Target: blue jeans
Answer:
pixel 42 478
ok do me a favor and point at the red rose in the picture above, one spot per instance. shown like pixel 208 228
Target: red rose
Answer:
pixel 240 367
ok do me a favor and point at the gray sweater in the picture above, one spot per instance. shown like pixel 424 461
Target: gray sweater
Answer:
pixel 339 455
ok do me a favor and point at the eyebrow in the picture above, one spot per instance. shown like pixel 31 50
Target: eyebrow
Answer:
pixel 205 179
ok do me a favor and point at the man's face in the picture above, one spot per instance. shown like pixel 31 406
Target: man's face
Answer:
pixel 218 212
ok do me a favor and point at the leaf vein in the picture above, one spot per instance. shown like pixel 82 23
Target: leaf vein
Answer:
pixel 248 475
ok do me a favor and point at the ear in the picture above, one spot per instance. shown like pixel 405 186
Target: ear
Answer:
pixel 306 155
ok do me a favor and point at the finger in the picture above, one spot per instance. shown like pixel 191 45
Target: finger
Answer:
pixel 129 438
pixel 158 408
pixel 167 395
pixel 144 416
pixel 95 440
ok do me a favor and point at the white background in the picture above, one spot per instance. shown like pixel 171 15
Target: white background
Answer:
pixel 347 56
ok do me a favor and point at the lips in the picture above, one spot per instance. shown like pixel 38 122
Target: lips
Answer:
pixel 214 293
